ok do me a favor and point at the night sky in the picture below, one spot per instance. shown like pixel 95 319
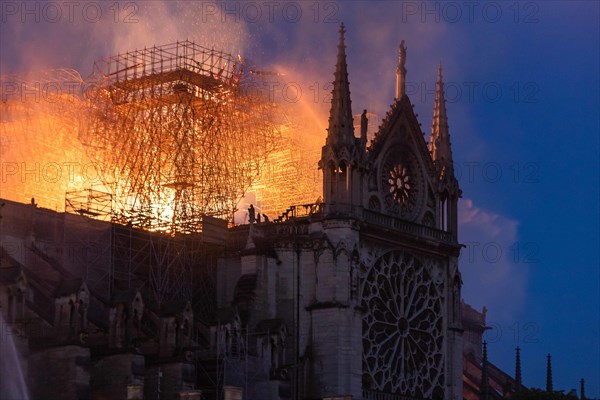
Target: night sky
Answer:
pixel 522 85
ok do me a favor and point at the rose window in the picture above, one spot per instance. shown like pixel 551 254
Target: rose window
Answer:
pixel 402 184
pixel 399 184
pixel 402 328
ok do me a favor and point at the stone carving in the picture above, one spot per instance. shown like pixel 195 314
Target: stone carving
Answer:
pixel 403 327
pixel 402 184
pixel 251 214
pixel 401 55
pixel 364 124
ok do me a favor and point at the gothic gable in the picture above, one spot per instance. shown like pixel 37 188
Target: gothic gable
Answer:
pixel 401 179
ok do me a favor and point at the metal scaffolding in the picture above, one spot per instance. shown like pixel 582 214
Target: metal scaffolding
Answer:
pixel 176 134
pixel 168 137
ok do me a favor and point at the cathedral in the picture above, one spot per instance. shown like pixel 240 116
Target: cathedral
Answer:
pixel 356 297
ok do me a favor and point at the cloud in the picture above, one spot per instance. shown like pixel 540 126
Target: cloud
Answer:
pixel 159 23
pixel 34 41
pixel 493 264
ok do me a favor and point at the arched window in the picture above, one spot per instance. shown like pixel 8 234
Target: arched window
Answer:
pixel 11 301
pixel 343 177
pixel 186 327
pixel 20 309
pixel 71 313
pixel 332 180
pixel 81 311
pixel 444 211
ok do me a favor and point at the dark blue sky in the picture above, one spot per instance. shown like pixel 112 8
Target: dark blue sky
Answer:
pixel 523 86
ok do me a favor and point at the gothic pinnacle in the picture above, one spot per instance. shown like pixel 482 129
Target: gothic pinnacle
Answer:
pixel 518 378
pixel 439 141
pixel 341 127
pixel 484 385
pixel 549 388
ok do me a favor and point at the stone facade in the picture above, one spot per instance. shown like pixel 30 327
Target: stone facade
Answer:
pixel 370 279
pixel 61 372
pixel 356 297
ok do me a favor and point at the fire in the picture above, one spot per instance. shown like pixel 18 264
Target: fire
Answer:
pixel 157 144
pixel 290 175
pixel 40 156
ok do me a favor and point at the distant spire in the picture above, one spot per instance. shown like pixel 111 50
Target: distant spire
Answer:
pixel 549 387
pixel 582 392
pixel 518 378
pixel 341 125
pixel 439 141
pixel 484 389
pixel 401 72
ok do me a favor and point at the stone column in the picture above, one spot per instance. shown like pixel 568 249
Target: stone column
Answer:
pixel 233 393
pixel 190 395
pixel 135 391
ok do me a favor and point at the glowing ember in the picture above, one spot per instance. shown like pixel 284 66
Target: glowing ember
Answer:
pixel 40 156
pixel 157 138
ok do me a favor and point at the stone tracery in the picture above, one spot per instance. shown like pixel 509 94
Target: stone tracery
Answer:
pixel 403 326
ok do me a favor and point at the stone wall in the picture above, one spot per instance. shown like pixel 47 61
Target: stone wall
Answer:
pixel 113 375
pixel 61 373
pixel 170 378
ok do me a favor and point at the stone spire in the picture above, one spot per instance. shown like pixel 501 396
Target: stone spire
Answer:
pixel 549 388
pixel 439 141
pixel 341 125
pixel 484 387
pixel 582 390
pixel 518 378
pixel 343 158
pixel 401 72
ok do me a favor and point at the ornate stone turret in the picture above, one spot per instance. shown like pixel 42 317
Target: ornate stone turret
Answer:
pixel 71 304
pixel 176 321
pixel 441 154
pixel 13 292
pixel 549 387
pixel 343 156
pixel 126 310
pixel 401 72
pixel 341 127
